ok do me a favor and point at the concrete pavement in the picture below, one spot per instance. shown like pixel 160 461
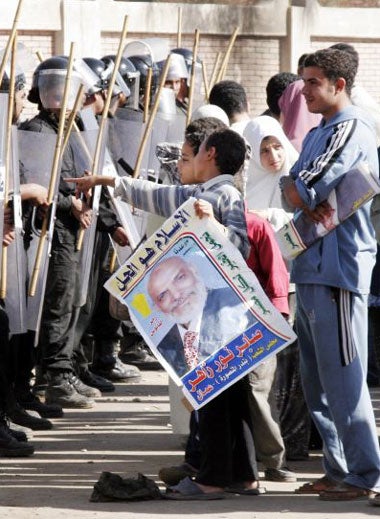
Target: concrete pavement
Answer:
pixel 126 433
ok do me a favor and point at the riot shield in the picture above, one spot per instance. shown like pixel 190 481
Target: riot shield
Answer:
pixel 157 48
pixel 198 93
pixel 127 129
pixel 36 153
pixel 125 133
pixel 3 133
pixel 15 300
pixel 83 146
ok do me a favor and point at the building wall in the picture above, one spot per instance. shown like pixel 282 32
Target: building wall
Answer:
pixel 41 41
pixel 272 33
pixel 253 60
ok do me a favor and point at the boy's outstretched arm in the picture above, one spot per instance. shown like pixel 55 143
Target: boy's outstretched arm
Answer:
pixel 88 181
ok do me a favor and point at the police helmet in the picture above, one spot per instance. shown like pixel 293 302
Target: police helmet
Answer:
pixel 54 63
pixel 20 82
pixel 142 63
pixel 98 67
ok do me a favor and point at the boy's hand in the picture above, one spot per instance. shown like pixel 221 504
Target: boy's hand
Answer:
pixel 84 184
pixel 203 208
pixel 320 213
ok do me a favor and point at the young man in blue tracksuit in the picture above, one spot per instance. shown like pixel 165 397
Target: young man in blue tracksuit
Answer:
pixel 333 278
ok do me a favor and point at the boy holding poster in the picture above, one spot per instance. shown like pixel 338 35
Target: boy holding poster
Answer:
pixel 333 278
pixel 228 453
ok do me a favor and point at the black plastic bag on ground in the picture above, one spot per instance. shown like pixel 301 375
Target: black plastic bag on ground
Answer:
pixel 112 487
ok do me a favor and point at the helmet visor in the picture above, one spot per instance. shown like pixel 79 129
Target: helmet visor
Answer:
pixel 51 85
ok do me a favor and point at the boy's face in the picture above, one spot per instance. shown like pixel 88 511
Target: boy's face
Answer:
pixel 186 164
pixel 320 93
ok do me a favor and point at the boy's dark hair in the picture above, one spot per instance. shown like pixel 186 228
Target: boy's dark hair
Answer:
pixel 301 61
pixel 230 96
pixel 230 150
pixel 275 88
pixel 334 64
pixel 346 47
pixel 198 130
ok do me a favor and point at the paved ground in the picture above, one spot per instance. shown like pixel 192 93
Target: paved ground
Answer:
pixel 127 433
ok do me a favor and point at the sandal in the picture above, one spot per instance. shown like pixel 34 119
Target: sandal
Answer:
pixel 316 487
pixel 344 492
pixel 188 490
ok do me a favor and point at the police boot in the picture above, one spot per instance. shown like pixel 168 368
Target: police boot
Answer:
pixel 134 351
pixel 10 447
pixel 108 365
pixel 31 402
pixel 19 416
pixel 62 392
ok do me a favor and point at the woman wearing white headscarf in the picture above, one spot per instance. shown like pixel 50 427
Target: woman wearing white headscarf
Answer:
pixel 272 157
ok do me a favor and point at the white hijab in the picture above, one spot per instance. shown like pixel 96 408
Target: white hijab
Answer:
pixel 262 186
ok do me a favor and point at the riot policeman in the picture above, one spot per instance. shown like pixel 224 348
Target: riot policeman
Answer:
pixel 59 314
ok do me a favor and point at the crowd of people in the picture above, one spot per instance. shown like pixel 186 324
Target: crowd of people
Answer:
pixel 251 175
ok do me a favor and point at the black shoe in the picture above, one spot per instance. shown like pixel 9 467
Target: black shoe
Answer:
pixel 119 372
pixel 60 391
pixel 31 402
pixel 83 389
pixel 90 379
pixel 19 416
pixel 10 447
pixel 282 475
pixel 138 355
pixel 20 436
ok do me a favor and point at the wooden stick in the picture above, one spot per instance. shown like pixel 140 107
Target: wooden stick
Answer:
pixel 192 78
pixel 113 261
pixel 205 81
pixel 151 119
pixel 223 67
pixel 10 40
pixel 148 86
pixel 103 120
pixel 215 70
pixel 179 28
pixel 39 56
pixel 8 149
pixel 54 173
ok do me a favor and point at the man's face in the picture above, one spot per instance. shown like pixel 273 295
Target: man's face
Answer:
pixel 319 92
pixel 96 101
pixel 177 290
pixel 20 98
pixel 186 164
pixel 174 84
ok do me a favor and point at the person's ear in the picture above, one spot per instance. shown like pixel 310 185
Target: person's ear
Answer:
pixel 340 84
pixel 211 153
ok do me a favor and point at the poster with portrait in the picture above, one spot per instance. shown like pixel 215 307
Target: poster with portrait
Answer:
pixel 198 306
